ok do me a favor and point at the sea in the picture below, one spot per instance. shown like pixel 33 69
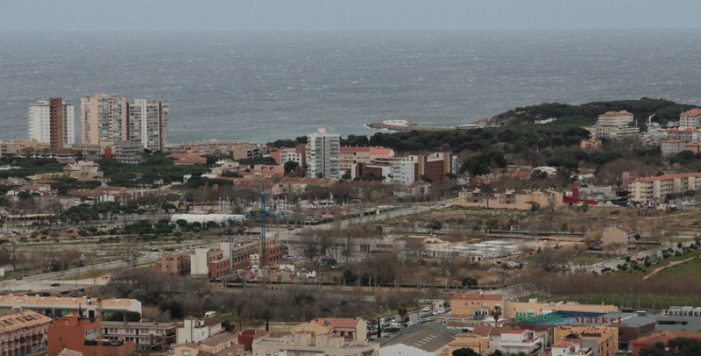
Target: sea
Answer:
pixel 266 86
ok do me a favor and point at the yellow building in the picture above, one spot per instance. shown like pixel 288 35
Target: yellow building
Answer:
pixel 590 144
pixel 348 328
pixel 476 343
pixel 475 304
pixel 479 304
pixel 603 340
pixel 511 200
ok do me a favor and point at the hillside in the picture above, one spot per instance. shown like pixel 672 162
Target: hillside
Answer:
pixel 664 111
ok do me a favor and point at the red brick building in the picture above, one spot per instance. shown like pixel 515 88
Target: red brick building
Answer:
pixel 662 337
pixel 78 334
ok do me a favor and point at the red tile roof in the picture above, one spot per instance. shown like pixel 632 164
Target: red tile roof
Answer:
pixel 665 336
pixel 692 112
pixel 373 150
pixel 671 176
pixel 334 323
pixel 478 296
pixel 615 113
pixel 565 343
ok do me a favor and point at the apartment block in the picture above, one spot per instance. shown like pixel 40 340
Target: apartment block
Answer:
pixel 148 124
pixel 656 188
pixel 24 333
pixel 323 155
pixel 614 125
pixel 690 119
pixel 104 119
pixel 51 122
pixel 310 344
pixel 173 264
pixel 209 263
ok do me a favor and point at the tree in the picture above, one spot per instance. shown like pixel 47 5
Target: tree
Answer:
pixel 465 352
pixel 290 167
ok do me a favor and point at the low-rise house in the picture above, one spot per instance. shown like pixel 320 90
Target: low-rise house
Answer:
pixel 173 264
pixel 510 199
pixel 570 348
pixel 602 340
pixel 224 344
pixel 147 336
pixel 590 144
pixel 519 341
pixel 307 343
pixel 348 328
pixel 195 330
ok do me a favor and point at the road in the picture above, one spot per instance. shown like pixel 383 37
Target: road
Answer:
pixel 612 264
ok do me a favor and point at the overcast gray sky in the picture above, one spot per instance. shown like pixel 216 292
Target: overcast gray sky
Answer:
pixel 285 15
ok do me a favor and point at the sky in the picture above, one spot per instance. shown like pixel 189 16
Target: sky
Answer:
pixel 343 15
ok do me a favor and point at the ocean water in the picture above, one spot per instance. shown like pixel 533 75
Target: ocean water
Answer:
pixel 264 86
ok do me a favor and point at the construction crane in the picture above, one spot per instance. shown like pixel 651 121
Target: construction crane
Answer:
pixel 98 323
pixel 261 216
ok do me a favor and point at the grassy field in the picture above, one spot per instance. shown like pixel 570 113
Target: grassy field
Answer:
pixel 692 267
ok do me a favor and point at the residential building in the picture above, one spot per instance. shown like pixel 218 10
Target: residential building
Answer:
pixel 51 122
pixel 24 332
pixel 246 337
pixel 21 147
pixel 81 170
pixel 519 341
pixel 435 167
pixel 662 337
pixel 78 334
pixel 569 348
pixel 224 344
pixel 590 144
pixel 476 304
pixel 690 119
pixel 350 329
pixel 209 263
pixel 679 318
pixel 687 135
pixel 657 188
pixel 57 306
pixel 671 147
pixel 148 124
pixel 602 340
pixel 351 156
pixel 195 330
pixel 147 336
pixel 510 199
pixel 474 342
pixel 424 342
pixel 187 158
pixel 173 264
pixel 313 344
pixel 290 154
pixel 236 149
pixel 104 119
pixel 323 155
pixel 614 125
